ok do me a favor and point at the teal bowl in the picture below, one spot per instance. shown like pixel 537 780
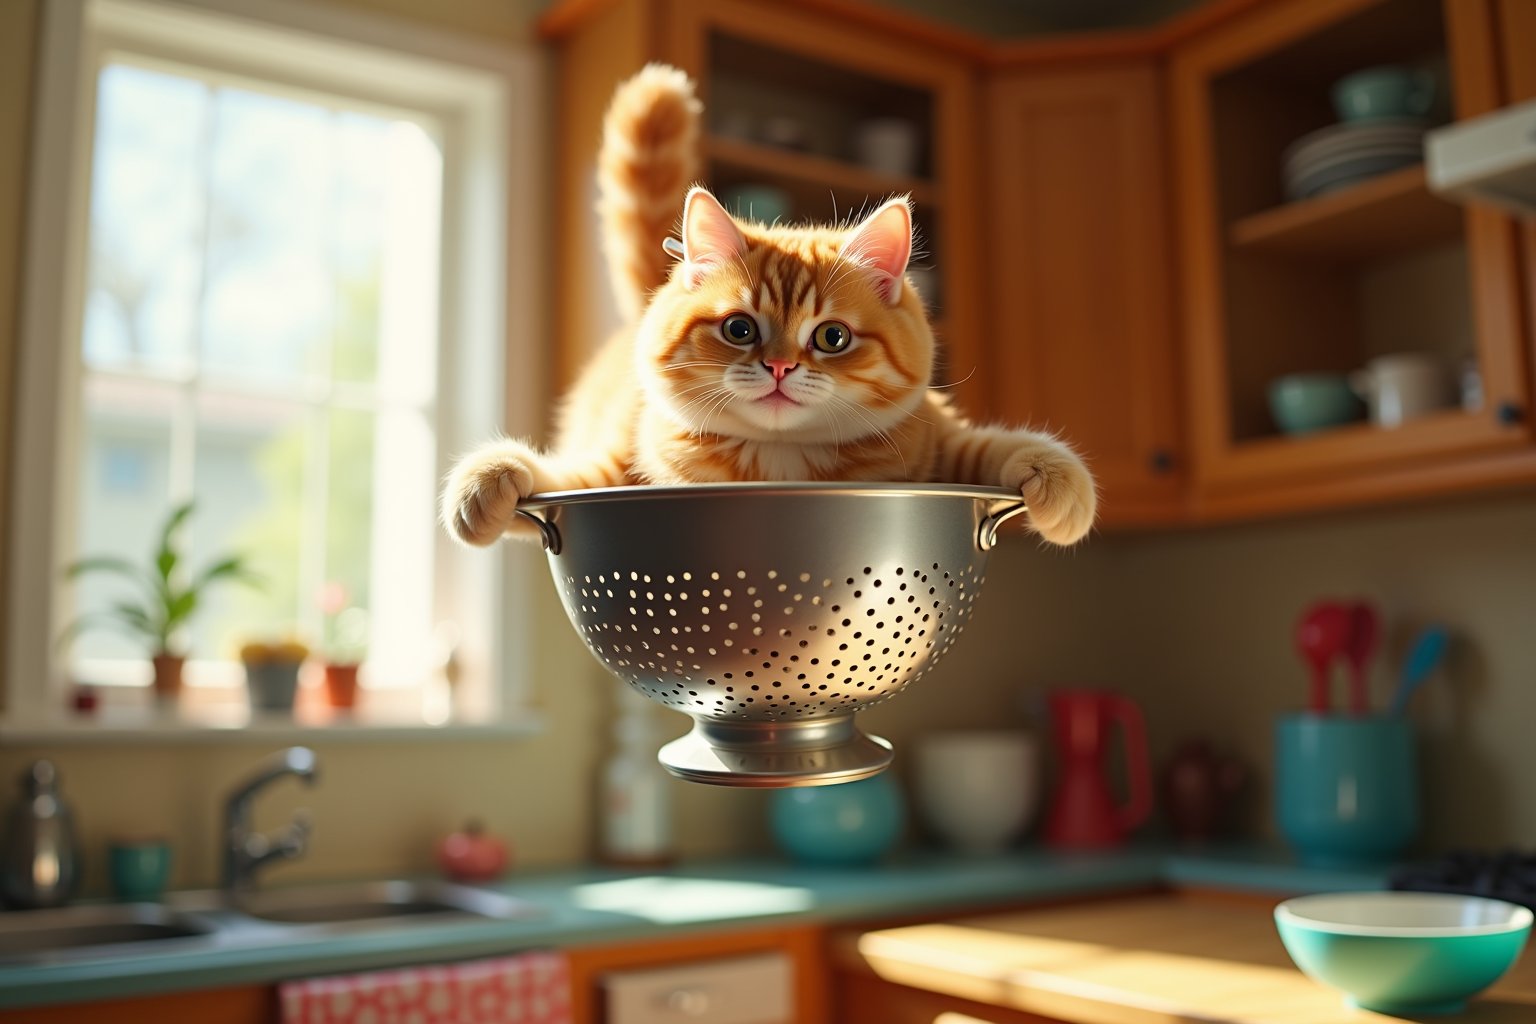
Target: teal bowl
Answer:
pixel 846 825
pixel 1403 952
pixel 1303 402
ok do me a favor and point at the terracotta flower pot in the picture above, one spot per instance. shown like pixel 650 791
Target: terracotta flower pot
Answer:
pixel 168 676
pixel 341 685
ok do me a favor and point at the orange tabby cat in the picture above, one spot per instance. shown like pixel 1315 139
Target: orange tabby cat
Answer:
pixel 764 353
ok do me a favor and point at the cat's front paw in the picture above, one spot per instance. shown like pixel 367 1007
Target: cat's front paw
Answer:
pixel 1058 489
pixel 480 499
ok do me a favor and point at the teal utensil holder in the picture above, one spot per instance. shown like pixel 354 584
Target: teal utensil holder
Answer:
pixel 1346 788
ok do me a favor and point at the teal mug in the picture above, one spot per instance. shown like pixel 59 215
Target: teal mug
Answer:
pixel 138 868
pixel 1388 91
pixel 1346 788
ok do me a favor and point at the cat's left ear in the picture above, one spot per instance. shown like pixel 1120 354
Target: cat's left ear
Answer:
pixel 710 236
pixel 883 245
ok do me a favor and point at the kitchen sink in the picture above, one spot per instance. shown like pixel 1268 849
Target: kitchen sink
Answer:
pixel 378 901
pixel 91 930
pixel 205 920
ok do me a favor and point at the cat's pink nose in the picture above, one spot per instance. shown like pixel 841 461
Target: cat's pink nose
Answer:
pixel 780 367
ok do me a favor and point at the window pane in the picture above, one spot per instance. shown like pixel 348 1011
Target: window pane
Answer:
pixel 146 220
pixel 124 497
pixel 404 532
pixel 409 266
pixel 279 255
pixel 349 526
pixel 270 290
pixel 252 464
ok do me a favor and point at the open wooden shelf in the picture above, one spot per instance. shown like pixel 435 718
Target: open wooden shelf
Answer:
pixel 1385 216
pixel 1351 446
pixel 790 168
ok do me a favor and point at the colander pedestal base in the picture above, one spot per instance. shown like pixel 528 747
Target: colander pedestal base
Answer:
pixel 775 755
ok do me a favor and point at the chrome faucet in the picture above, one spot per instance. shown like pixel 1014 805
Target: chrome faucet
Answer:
pixel 246 850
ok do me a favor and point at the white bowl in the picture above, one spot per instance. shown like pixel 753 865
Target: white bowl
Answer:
pixel 978 789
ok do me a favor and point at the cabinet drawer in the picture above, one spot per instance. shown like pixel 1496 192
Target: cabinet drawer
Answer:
pixel 740 990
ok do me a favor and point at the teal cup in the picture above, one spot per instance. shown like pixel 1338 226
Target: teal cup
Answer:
pixel 1346 788
pixel 1303 402
pixel 139 869
pixel 1388 91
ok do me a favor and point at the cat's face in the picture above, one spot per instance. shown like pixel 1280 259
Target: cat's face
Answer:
pixel 800 334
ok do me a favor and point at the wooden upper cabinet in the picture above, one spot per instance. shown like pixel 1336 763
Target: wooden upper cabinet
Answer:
pixel 1275 285
pixel 1079 329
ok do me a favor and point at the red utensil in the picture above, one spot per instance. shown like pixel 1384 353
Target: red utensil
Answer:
pixel 1364 638
pixel 1321 636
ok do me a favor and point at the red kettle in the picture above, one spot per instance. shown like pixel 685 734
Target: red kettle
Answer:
pixel 1083 813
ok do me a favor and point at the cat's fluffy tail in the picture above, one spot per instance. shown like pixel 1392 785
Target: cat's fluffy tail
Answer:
pixel 648 160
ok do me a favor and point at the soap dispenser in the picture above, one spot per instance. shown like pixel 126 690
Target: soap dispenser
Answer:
pixel 39 862
pixel 636 826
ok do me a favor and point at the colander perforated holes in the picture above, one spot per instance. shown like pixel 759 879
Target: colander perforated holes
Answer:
pixel 900 633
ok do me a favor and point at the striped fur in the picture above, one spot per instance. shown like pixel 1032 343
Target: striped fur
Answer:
pixel 673 399
pixel 647 162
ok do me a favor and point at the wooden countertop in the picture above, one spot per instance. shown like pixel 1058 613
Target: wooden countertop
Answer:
pixel 1157 959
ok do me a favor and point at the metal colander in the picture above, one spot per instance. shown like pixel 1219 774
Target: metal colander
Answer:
pixel 771 613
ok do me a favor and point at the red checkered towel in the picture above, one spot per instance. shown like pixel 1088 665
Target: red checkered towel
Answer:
pixel 532 988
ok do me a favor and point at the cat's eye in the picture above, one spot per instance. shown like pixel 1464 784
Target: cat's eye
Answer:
pixel 832 336
pixel 739 329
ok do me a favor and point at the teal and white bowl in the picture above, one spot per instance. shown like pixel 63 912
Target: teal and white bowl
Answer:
pixel 1403 952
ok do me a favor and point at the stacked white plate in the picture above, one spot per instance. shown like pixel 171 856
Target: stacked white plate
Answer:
pixel 1348 153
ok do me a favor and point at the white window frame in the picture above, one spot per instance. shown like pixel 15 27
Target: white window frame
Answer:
pixel 488 100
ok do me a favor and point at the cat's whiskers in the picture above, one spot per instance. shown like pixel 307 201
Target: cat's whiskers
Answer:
pixel 717 407
pixel 953 384
pixel 876 431
pixel 683 366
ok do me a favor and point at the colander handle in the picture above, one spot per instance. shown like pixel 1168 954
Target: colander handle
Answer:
pixel 986 536
pixel 548 535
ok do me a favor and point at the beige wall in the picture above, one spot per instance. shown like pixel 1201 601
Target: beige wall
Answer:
pixel 1195 625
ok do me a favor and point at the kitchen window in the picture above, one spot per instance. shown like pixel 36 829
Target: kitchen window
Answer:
pixel 274 248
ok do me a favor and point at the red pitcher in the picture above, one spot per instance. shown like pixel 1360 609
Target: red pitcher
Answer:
pixel 1083 812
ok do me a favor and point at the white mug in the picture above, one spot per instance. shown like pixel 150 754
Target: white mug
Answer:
pixel 978 789
pixel 1400 387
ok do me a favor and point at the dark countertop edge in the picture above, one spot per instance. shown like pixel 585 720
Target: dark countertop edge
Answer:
pixel 895 891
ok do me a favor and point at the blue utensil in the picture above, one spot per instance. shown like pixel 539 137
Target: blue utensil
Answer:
pixel 1423 658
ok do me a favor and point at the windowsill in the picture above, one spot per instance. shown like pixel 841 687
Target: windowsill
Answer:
pixel 150 726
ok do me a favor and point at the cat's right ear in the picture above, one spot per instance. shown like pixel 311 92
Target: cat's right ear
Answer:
pixel 710 237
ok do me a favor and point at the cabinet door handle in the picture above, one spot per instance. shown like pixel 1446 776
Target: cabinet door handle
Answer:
pixel 690 1002
pixel 1510 413
pixel 1161 461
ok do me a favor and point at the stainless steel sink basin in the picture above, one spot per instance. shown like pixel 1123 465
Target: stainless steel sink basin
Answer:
pixel 102 930
pixel 378 902
pixel 194 921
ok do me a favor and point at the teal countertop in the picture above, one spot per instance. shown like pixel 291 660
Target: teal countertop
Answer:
pixel 593 906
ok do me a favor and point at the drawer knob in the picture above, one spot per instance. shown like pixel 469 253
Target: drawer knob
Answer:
pixel 690 1002
pixel 1510 413
pixel 1161 461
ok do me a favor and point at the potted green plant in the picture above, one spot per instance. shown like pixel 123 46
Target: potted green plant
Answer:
pixel 344 644
pixel 166 599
